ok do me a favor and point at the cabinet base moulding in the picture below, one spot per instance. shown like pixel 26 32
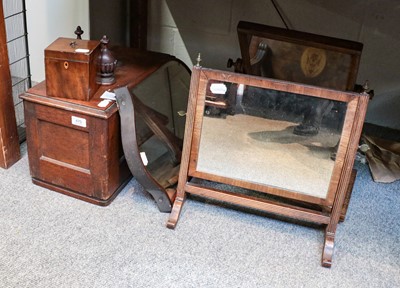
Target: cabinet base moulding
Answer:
pixel 80 196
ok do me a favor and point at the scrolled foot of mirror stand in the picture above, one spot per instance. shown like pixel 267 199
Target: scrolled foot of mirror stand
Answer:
pixel 175 213
pixel 328 250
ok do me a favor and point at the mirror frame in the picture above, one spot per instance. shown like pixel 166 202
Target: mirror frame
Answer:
pixel 341 176
pixel 273 85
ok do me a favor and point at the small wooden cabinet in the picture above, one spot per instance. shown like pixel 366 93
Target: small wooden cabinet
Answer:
pixel 74 146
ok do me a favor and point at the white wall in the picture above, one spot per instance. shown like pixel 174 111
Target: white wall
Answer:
pixel 184 28
pixel 49 19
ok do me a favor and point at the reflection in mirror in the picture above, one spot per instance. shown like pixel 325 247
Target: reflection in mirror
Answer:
pixel 299 63
pixel 253 134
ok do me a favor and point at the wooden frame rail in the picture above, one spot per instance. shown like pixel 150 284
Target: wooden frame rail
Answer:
pixel 9 141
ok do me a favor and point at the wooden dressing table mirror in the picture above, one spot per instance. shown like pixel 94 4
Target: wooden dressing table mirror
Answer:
pixel 252 146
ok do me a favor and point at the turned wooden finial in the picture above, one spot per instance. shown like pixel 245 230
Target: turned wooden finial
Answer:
pixel 366 89
pixel 78 32
pixel 106 64
pixel 198 60
pixel 366 86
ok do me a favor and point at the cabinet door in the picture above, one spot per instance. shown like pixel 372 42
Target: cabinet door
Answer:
pixel 59 147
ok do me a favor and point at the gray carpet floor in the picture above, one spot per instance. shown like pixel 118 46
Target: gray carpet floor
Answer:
pixel 51 240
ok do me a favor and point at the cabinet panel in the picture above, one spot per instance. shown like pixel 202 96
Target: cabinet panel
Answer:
pixel 72 145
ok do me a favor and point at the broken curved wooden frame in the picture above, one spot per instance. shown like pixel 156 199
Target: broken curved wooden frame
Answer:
pixel 327 209
pixel 130 109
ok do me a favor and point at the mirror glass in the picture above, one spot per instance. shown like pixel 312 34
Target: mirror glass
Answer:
pixel 161 100
pixel 270 137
